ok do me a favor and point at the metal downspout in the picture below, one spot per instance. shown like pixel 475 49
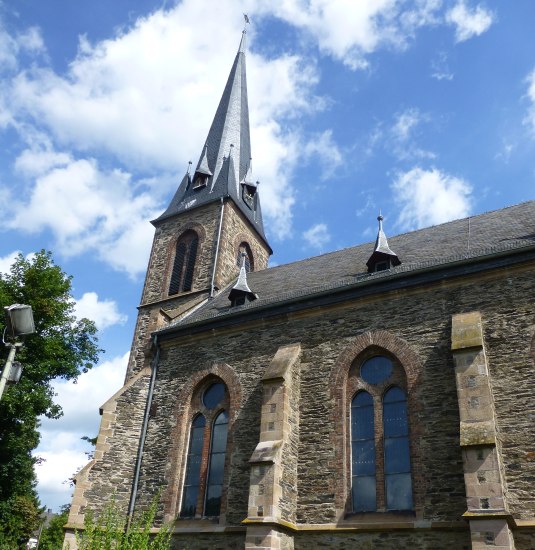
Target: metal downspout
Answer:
pixel 144 430
pixel 212 284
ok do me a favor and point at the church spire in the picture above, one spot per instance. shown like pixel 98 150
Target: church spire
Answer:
pixel 214 178
pixel 382 257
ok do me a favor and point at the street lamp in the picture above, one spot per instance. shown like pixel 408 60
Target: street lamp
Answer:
pixel 19 323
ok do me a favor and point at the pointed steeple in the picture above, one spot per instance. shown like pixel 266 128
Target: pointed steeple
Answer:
pixel 382 257
pixel 241 292
pixel 212 179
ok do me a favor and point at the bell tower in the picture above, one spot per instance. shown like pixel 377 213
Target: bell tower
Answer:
pixel 214 219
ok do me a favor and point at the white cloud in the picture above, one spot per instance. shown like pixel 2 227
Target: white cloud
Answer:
pixel 405 123
pixel 530 117
pixel 403 135
pixel 37 162
pixel 103 312
pixel 88 209
pixel 322 147
pixel 430 197
pixel 131 98
pixel 317 236
pixel 30 41
pixel 469 22
pixel 440 67
pixel 61 446
pixel 350 30
pixel 7 261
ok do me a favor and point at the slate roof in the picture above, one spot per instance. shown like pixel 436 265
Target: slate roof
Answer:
pixel 226 155
pixel 507 230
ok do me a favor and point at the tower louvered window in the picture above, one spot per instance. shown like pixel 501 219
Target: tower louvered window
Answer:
pixel 206 455
pixel 184 264
pixel 379 428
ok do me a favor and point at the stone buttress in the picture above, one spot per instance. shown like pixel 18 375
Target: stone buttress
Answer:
pixel 483 471
pixel 273 481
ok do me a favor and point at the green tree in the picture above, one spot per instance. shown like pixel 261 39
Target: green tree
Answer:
pixel 62 347
pixel 52 535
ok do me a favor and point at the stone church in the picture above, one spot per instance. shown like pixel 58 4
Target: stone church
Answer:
pixel 380 396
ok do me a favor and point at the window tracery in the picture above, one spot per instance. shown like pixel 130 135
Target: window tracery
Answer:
pixel 380 463
pixel 206 454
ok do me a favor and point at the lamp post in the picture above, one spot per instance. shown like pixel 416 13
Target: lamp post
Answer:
pixel 19 323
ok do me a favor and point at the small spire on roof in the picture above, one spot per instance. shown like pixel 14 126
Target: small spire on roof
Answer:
pixel 203 167
pixel 249 174
pixel 241 292
pixel 189 166
pixel 382 257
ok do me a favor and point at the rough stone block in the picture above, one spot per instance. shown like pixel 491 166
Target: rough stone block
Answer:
pixel 466 330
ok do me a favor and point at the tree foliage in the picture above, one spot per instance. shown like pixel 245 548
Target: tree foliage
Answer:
pixel 62 347
pixel 52 535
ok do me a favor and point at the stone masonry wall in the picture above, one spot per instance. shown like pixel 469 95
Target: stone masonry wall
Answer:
pixel 205 222
pixel 422 319
pixel 155 300
pixel 421 540
pixel 113 472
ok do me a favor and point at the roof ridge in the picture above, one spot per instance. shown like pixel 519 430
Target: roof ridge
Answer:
pixel 281 297
pixel 371 243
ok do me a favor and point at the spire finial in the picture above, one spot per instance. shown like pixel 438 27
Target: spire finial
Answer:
pixel 380 220
pixel 189 166
pixel 241 49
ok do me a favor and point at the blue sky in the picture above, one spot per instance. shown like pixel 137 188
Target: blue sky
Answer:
pixel 423 109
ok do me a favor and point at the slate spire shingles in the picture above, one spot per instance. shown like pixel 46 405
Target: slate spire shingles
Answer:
pixel 230 127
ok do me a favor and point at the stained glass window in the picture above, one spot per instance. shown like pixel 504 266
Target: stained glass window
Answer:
pixel 192 479
pixel 379 428
pixel 217 465
pixel 398 482
pixel 376 369
pixel 363 453
pixel 213 395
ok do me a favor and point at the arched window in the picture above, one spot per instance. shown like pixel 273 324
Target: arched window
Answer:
pixel 244 248
pixel 205 462
pixel 184 264
pixel 379 428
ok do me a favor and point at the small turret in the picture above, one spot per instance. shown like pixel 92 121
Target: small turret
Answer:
pixel 241 293
pixel 382 257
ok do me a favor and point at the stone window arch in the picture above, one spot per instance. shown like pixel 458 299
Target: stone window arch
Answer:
pixel 181 279
pixel 186 409
pixel 392 387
